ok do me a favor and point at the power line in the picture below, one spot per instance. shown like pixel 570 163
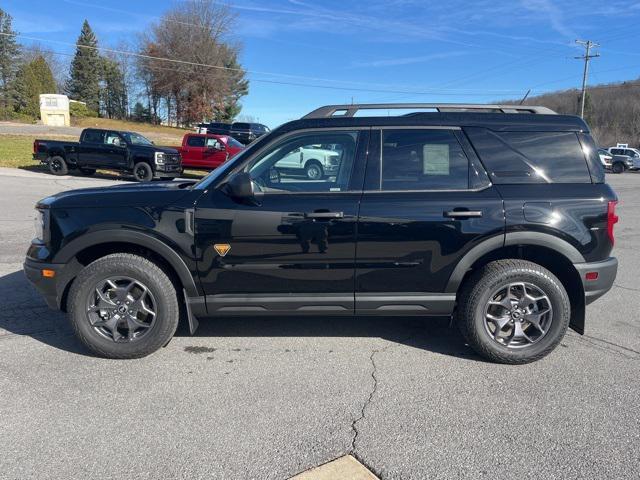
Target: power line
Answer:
pixel 588 45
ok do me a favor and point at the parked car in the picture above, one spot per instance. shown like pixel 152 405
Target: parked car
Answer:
pixel 605 158
pixel 495 215
pixel 126 152
pixel 621 163
pixel 207 152
pixel 632 153
pixel 247 132
pixel 215 128
pixel 314 161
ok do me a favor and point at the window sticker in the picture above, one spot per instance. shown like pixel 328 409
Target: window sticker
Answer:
pixel 435 159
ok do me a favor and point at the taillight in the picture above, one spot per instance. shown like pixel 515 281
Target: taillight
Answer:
pixel 612 219
pixel 35 146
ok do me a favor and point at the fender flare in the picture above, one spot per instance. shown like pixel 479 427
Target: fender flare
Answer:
pixel 69 251
pixel 512 238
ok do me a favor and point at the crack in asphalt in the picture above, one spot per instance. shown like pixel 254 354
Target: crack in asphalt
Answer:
pixel 374 376
pixel 607 347
pixel 627 288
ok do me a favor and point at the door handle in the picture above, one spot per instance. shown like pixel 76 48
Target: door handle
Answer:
pixel 463 213
pixel 324 215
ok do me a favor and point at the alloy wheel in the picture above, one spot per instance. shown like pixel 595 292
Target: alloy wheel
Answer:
pixel 518 315
pixel 121 309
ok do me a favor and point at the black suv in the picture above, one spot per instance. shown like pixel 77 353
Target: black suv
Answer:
pixel 496 215
pixel 247 132
pixel 127 152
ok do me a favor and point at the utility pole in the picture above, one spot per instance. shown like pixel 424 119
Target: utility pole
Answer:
pixel 588 45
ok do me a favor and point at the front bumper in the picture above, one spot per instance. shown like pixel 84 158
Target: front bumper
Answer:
pixel 168 170
pixel 606 274
pixel 52 288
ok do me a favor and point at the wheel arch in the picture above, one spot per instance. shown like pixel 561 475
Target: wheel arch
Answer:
pixel 89 247
pixel 554 254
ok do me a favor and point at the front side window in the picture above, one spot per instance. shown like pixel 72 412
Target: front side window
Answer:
pixel 113 138
pixel 213 143
pixel 414 159
pixel 304 163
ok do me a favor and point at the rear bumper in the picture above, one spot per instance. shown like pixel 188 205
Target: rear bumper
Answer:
pixel 606 274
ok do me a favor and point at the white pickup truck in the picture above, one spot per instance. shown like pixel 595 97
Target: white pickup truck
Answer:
pixel 314 161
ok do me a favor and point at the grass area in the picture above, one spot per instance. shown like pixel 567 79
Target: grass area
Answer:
pixel 16 150
pixel 171 134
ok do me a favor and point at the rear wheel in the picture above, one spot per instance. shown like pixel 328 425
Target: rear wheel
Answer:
pixel 142 172
pixel 617 168
pixel 513 311
pixel 58 165
pixel 123 306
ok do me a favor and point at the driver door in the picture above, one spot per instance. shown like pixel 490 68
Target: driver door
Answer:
pixel 294 249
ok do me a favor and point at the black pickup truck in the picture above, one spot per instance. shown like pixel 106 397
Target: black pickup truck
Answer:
pixel 127 152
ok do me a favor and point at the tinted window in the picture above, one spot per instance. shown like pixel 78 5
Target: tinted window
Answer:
pixel 423 160
pixel 93 136
pixel 530 157
pixel 194 141
pixel 554 156
pixel 310 162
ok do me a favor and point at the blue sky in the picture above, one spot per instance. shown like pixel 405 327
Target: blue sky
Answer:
pixel 380 50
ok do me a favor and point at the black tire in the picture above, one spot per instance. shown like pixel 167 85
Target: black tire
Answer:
pixel 58 165
pixel 314 171
pixel 87 171
pixel 474 297
pixel 143 172
pixel 617 168
pixel 130 267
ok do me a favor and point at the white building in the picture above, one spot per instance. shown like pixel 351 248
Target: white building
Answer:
pixel 54 110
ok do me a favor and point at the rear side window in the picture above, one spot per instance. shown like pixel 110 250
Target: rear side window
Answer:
pixel 414 159
pixel 531 157
pixel 194 141
pixel 93 136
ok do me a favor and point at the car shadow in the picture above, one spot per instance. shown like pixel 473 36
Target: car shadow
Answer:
pixel 26 314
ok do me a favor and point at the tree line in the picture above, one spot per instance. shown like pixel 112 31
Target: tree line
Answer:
pixel 182 71
pixel 611 110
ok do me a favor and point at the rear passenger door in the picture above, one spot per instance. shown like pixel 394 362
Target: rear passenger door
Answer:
pixel 427 201
pixel 193 151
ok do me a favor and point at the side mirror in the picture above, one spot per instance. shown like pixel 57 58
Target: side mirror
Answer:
pixel 240 188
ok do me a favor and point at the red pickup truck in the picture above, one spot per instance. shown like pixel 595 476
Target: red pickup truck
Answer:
pixel 207 151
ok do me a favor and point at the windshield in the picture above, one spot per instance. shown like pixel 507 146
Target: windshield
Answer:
pixel 232 142
pixel 136 139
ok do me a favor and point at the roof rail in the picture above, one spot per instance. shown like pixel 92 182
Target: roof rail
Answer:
pixel 350 110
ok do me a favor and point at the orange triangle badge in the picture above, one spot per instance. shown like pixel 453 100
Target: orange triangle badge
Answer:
pixel 222 248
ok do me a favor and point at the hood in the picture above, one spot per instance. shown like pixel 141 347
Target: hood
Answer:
pixel 125 195
pixel 156 148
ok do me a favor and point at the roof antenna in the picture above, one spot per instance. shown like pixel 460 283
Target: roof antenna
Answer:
pixel 525 97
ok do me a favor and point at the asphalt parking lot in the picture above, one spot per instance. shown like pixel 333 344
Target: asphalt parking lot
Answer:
pixel 270 398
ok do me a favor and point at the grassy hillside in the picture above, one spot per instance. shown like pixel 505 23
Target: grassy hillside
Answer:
pixel 612 110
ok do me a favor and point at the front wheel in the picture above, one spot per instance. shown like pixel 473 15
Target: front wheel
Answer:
pixel 123 306
pixel 314 171
pixel 513 311
pixel 142 172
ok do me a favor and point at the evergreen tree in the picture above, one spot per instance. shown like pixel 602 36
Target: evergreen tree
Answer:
pixel 141 113
pixel 33 78
pixel 84 77
pixel 9 52
pixel 113 92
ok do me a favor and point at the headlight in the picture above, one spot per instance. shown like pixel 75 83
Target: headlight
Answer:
pixel 159 158
pixel 38 223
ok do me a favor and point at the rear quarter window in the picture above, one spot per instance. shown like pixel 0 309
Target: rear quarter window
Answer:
pixel 531 157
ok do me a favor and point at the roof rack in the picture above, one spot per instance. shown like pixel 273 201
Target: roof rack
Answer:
pixel 350 110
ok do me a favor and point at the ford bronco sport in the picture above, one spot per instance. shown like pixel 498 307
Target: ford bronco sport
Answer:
pixel 497 215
